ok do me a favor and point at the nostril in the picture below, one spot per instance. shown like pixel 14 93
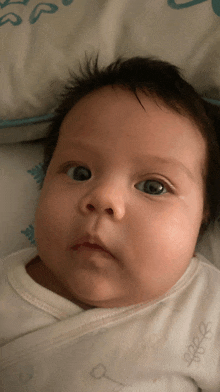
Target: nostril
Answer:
pixel 90 207
pixel 110 211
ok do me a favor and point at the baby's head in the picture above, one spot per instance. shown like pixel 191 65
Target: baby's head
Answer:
pixel 132 175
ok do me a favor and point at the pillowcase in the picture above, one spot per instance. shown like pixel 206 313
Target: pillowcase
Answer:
pixel 42 41
pixel 19 130
pixel 20 174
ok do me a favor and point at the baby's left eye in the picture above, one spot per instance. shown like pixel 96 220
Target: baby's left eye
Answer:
pixel 151 187
pixel 80 173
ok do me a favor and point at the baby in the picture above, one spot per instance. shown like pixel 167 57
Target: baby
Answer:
pixel 114 297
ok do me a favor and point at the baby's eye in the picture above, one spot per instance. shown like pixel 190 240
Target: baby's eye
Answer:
pixel 152 187
pixel 79 173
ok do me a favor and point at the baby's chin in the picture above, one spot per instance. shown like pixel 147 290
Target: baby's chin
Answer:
pixel 90 291
pixel 99 298
pixel 102 300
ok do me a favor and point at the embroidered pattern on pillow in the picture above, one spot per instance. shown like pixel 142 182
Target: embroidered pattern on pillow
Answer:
pixel 36 13
pixel 38 175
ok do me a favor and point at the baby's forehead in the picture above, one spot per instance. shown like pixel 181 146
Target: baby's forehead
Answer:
pixel 122 108
pixel 113 122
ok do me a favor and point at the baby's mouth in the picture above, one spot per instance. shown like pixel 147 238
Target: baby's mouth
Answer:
pixel 89 246
pixel 93 247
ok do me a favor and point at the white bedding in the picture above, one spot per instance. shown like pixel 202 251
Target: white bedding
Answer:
pixel 42 41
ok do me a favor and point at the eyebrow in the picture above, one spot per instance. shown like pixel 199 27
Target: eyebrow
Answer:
pixel 173 163
pixel 140 159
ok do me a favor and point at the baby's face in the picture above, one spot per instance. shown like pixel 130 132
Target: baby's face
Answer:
pixel 131 181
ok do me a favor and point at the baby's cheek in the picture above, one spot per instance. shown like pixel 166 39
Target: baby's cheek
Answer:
pixel 52 216
pixel 181 232
pixel 174 226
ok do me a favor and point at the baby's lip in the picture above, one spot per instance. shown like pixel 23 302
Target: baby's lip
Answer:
pixel 88 245
pixel 92 243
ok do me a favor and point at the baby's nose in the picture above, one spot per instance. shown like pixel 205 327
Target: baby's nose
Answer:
pixel 104 200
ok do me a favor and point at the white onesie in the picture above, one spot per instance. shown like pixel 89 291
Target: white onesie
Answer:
pixel 49 344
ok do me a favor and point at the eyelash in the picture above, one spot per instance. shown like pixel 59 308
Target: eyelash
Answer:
pixel 168 187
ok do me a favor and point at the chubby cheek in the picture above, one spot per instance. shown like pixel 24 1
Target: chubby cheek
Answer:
pixel 53 218
pixel 166 232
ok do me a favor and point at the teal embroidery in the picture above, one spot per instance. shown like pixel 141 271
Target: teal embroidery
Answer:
pixel 191 3
pixel 50 8
pixel 37 173
pixel 41 8
pixel 195 349
pixel 12 18
pixel 172 4
pixel 216 7
pixel 29 233
pixel 67 2
pixel 9 2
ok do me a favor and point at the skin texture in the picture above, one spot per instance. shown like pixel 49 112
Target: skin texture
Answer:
pixel 151 237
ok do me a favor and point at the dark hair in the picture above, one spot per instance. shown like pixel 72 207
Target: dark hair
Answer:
pixel 157 79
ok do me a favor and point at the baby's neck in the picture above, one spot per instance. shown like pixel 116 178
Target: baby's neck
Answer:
pixel 42 275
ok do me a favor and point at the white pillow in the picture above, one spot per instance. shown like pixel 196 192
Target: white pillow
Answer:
pixel 20 175
pixel 41 42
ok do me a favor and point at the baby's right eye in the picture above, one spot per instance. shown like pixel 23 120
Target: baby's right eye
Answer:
pixel 79 173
